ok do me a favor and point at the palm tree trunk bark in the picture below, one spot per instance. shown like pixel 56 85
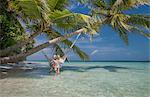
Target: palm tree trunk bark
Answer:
pixel 16 58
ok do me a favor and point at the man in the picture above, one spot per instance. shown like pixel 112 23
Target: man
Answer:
pixel 59 62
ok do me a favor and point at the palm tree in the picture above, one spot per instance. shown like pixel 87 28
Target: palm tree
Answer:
pixel 48 17
pixel 18 57
pixel 113 11
pixel 11 30
pixel 110 12
pixel 34 11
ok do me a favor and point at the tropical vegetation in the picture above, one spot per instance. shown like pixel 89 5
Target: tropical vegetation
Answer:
pixel 54 18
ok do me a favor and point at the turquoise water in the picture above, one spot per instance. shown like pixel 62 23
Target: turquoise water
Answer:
pixel 81 79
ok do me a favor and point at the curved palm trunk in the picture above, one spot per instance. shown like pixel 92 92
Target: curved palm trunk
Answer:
pixel 24 42
pixel 19 44
pixel 22 55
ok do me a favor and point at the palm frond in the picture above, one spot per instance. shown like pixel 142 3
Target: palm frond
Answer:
pixel 118 23
pixel 111 2
pixel 140 20
pixel 101 12
pixel 130 23
pixel 83 1
pixel 68 43
pixel 101 4
pixel 76 50
pixel 58 50
pixel 141 32
pixel 93 24
pixel 57 14
pixel 127 4
pixel 39 9
pixel 64 19
pixel 68 20
pixel 25 7
pixel 122 33
pixel 57 4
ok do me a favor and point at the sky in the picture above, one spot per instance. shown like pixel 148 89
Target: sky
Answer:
pixel 107 45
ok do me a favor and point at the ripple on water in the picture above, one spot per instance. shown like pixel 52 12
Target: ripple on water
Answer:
pixel 98 79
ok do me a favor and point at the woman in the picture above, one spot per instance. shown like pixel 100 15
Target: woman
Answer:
pixel 53 64
pixel 59 62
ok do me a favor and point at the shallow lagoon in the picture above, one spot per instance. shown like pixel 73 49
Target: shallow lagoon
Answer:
pixel 80 79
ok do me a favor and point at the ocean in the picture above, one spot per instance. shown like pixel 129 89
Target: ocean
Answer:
pixel 80 79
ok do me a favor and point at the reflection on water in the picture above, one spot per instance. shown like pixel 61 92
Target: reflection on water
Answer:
pixel 79 79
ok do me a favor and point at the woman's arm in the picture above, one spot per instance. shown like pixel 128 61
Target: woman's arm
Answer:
pixel 62 59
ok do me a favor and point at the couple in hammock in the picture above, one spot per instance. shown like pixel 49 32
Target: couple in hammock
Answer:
pixel 57 63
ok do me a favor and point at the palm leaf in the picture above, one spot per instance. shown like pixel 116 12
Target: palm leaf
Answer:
pixel 141 32
pixel 101 4
pixel 129 23
pixel 118 23
pixel 39 9
pixel 76 50
pixel 58 50
pixel 140 20
pixel 68 43
pixel 33 11
pixel 111 2
pixel 122 33
pixel 57 14
pixel 68 20
pixel 83 1
pixel 127 4
pixel 64 20
pixel 57 4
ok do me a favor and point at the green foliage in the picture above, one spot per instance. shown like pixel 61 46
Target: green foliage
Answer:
pixel 57 4
pixel 101 4
pixel 140 20
pixel 67 43
pixel 67 20
pixel 112 14
pixel 76 50
pixel 38 9
pixel 57 14
pixel 11 30
pixel 121 5
pixel 25 6
pixel 53 15
pixel 58 50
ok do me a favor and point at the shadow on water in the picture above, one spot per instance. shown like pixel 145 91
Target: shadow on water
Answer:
pixel 41 72
pixel 38 72
pixel 84 69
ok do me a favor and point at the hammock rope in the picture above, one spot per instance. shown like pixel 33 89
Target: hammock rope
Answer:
pixel 75 40
pixel 46 56
pixel 53 49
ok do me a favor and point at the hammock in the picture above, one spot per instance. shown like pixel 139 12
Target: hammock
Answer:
pixel 49 61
